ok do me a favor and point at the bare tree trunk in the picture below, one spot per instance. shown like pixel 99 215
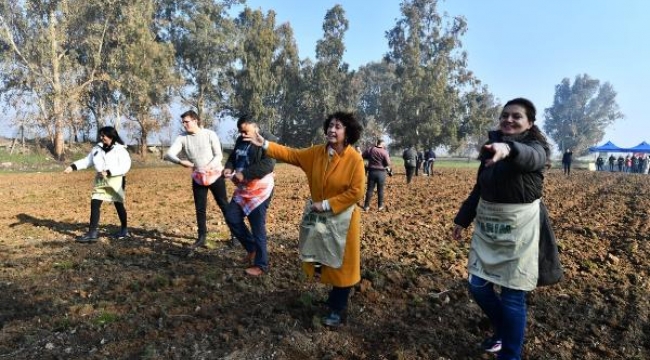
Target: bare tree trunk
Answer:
pixel 13 143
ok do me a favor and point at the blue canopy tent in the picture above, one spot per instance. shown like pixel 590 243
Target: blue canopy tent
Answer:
pixel 608 147
pixel 643 147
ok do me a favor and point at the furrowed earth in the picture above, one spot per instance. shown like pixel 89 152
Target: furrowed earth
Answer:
pixel 151 297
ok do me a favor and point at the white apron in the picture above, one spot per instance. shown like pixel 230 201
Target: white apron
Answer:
pixel 108 188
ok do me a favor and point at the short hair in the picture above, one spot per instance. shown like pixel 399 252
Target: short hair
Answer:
pixel 192 115
pixel 353 128
pixel 379 142
pixel 111 133
pixel 245 119
pixel 527 105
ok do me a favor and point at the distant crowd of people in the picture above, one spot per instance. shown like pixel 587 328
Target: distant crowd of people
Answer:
pixel 635 163
pixel 504 205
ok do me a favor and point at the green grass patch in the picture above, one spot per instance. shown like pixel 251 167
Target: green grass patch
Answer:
pixel 64 265
pixel 105 318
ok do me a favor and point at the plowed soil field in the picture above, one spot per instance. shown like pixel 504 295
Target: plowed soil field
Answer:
pixel 150 297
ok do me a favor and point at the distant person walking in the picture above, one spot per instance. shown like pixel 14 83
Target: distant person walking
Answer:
pixel 621 163
pixel 600 163
pixel 430 159
pixel 410 156
pixel 418 162
pixel 203 151
pixel 567 159
pixel 111 161
pixel 611 160
pixel 378 167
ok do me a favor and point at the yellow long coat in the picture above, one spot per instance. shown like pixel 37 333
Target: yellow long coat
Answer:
pixel 341 181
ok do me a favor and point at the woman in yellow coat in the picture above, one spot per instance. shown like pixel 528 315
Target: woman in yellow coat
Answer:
pixel 336 179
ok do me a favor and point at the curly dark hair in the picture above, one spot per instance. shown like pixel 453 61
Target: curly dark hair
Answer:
pixel 353 127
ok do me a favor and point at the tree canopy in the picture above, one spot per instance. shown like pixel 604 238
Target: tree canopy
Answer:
pixel 580 113
pixel 70 67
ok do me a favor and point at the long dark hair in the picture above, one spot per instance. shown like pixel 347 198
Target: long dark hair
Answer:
pixel 111 133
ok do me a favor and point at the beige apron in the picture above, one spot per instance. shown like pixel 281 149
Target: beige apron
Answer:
pixel 505 244
pixel 323 236
pixel 108 188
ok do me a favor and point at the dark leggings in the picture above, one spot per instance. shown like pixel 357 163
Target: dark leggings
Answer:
pixel 95 210
pixel 200 192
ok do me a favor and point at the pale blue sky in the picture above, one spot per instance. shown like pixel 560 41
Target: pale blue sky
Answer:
pixel 516 47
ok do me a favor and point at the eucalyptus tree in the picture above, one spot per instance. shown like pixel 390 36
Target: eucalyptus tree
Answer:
pixel 255 83
pixel 580 113
pixel 286 69
pixel 50 52
pixel 143 69
pixel 480 114
pixel 205 41
pixel 331 76
pixel 373 82
pixel 325 86
pixel 425 49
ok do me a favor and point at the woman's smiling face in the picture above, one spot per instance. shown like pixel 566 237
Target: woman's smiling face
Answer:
pixel 513 120
pixel 335 132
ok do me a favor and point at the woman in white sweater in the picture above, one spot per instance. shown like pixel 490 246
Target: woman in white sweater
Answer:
pixel 111 161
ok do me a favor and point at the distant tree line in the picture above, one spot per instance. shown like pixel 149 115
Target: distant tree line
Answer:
pixel 70 66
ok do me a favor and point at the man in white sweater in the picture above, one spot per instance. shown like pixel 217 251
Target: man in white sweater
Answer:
pixel 204 156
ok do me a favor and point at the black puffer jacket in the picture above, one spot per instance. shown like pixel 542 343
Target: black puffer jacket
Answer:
pixel 516 179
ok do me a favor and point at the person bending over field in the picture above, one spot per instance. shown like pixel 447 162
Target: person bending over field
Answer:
pixel 111 161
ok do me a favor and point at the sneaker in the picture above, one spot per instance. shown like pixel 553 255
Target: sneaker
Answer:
pixel 233 242
pixel 90 237
pixel 333 319
pixel 491 345
pixel 366 208
pixel 381 208
pixel 123 233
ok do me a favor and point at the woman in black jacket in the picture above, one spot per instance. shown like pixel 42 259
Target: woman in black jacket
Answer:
pixel 505 206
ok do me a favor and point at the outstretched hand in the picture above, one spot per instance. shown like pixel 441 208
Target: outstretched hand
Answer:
pixel 458 232
pixel 254 138
pixel 500 150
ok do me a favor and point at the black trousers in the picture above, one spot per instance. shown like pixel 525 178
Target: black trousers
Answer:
pixel 338 298
pixel 376 177
pixel 410 170
pixel 95 212
pixel 200 192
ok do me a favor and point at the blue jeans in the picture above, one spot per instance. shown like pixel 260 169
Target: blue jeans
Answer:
pixel 507 313
pixel 253 240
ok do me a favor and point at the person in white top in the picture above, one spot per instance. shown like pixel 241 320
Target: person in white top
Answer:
pixel 111 161
pixel 204 156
